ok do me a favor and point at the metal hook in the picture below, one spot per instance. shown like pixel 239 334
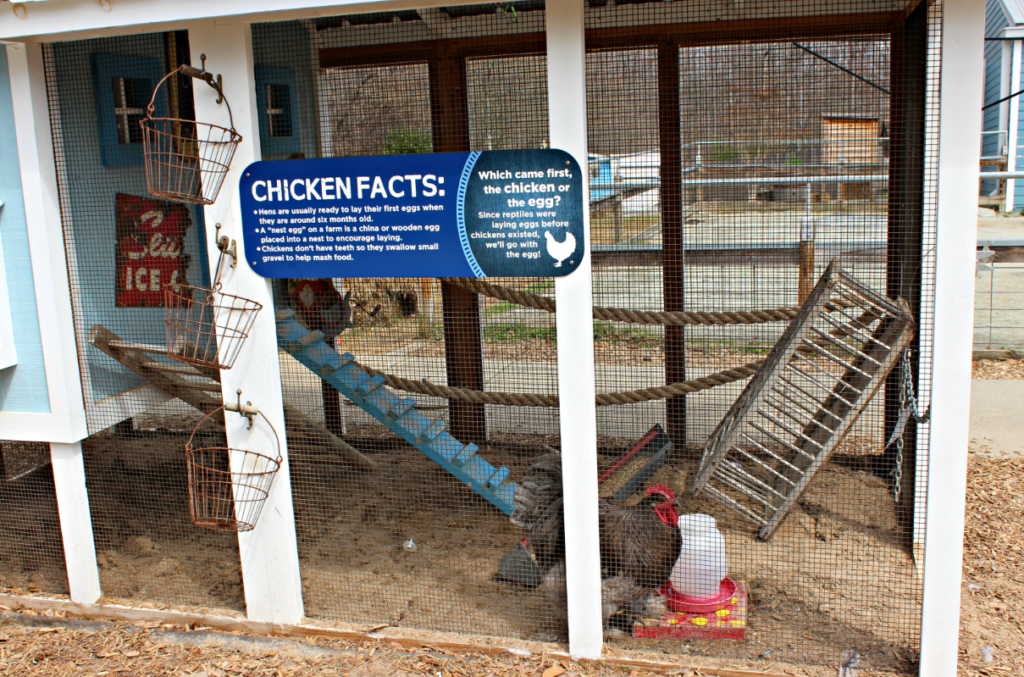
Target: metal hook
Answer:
pixel 246 410
pixel 217 83
pixel 227 246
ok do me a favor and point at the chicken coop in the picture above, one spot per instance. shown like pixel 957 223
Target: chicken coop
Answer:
pixel 769 263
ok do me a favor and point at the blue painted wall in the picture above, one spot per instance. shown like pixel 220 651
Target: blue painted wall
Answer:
pixel 282 54
pixel 22 387
pixel 88 190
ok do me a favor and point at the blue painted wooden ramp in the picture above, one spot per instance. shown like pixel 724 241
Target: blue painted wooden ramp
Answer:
pixel 397 413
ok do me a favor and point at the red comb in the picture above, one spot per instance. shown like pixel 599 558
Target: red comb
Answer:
pixel 661 489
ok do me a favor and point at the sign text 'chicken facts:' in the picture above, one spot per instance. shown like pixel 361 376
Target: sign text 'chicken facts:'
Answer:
pixel 479 214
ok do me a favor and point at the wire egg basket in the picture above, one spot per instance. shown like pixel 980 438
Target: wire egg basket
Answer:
pixel 206 327
pixel 185 160
pixel 227 487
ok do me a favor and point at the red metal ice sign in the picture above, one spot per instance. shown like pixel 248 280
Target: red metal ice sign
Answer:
pixel 150 239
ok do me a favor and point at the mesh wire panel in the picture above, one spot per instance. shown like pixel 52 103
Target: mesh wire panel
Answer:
pixel 124 249
pixel 734 154
pixel 389 536
pixel 999 308
pixel 730 164
pixel 31 549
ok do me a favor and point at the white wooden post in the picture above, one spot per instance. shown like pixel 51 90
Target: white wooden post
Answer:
pixel 567 112
pixel 963 29
pixel 1014 104
pixel 269 553
pixel 56 322
pixel 75 522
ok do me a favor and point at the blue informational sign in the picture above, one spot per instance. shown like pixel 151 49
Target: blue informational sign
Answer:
pixel 479 214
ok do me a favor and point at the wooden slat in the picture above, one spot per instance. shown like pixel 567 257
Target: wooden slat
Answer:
pixel 166 378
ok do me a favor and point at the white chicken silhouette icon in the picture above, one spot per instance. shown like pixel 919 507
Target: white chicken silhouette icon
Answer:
pixel 560 251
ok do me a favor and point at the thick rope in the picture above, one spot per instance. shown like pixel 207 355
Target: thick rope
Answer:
pixel 530 400
pixel 677 318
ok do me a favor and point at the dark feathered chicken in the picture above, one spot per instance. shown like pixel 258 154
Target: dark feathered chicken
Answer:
pixel 639 543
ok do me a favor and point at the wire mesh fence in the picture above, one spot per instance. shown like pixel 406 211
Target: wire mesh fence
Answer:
pixel 999 307
pixel 410 544
pixel 31 549
pixel 743 167
pixel 730 163
pixel 125 250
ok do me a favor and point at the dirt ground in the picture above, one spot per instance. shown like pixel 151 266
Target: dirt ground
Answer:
pixel 147 547
pixel 784 595
pixel 833 578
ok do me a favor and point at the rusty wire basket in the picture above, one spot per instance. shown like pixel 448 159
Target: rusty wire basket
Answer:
pixel 227 487
pixel 185 160
pixel 206 327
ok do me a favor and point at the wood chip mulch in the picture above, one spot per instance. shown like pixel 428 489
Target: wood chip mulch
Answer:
pixel 151 650
pixel 997 369
pixel 991 629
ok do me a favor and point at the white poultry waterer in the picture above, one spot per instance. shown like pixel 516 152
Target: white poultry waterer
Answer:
pixel 702 564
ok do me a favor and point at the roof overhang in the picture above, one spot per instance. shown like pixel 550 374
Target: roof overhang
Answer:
pixel 56 20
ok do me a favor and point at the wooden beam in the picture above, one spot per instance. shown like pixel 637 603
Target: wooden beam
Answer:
pixel 463 347
pixel 268 553
pixel 691 34
pixel 758 30
pixel 574 323
pixel 907 78
pixel 388 635
pixel 332 408
pixel 958 119
pixel 674 254
pixel 75 521
pixel 422 50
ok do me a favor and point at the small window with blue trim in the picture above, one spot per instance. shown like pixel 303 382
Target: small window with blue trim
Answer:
pixel 275 103
pixel 123 86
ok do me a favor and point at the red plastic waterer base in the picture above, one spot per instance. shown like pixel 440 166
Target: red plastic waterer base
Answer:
pixel 729 622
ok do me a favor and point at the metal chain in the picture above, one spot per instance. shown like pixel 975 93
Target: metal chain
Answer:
pixel 908 411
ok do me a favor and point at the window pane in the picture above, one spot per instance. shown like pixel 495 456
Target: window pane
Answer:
pixel 279 119
pixel 129 107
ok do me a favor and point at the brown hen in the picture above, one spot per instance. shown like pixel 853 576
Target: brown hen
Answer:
pixel 639 543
